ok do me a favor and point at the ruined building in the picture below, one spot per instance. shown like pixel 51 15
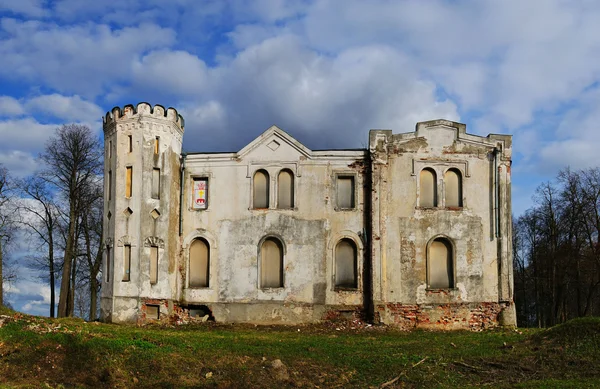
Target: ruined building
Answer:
pixel 414 231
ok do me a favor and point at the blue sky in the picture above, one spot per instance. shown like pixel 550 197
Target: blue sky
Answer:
pixel 325 71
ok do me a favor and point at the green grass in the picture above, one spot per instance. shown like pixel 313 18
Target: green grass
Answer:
pixel 36 352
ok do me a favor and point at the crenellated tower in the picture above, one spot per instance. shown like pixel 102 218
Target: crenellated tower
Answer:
pixel 141 202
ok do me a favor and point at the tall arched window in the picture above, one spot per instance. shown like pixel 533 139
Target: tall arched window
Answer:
pixel 199 263
pixel 285 189
pixel 453 188
pixel 428 188
pixel 346 264
pixel 271 263
pixel 260 185
pixel 440 264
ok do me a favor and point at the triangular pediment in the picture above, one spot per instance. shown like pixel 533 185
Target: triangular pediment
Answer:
pixel 274 145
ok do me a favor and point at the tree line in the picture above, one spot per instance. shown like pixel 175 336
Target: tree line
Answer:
pixel 556 250
pixel 58 209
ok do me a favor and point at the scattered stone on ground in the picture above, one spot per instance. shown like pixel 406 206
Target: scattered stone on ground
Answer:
pixel 279 370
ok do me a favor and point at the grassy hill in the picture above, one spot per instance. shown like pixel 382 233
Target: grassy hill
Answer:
pixel 38 352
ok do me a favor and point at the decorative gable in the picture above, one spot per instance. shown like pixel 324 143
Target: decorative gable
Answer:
pixel 274 145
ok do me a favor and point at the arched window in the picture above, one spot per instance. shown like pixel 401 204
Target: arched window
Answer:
pixel 260 196
pixel 428 188
pixel 199 263
pixel 453 188
pixel 346 264
pixel 285 189
pixel 271 263
pixel 440 264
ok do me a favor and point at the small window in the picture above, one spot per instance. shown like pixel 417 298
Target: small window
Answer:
pixel 130 143
pixel 126 262
pixel 428 189
pixel 128 182
pixel 285 190
pixel 440 265
pixel 152 312
pixel 261 190
pixel 200 193
pixel 346 264
pixel 109 151
pixel 271 265
pixel 345 192
pixel 199 263
pixel 156 183
pixel 153 264
pixel 156 144
pixel 108 263
pixel 453 188
pixel 109 185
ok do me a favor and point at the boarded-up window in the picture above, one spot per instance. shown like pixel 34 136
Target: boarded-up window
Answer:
pixel 271 265
pixel 153 264
pixel 130 143
pixel 453 188
pixel 200 193
pixel 346 264
pixel 107 263
pixel 345 192
pixel 261 189
pixel 152 312
pixel 156 183
pixel 109 184
pixel 428 189
pixel 128 181
pixel 440 266
pixel 156 143
pixel 285 189
pixel 126 262
pixel 199 263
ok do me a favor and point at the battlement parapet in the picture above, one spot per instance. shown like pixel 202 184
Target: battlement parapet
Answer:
pixel 143 109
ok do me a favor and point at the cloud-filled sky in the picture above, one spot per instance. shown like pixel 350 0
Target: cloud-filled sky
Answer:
pixel 326 71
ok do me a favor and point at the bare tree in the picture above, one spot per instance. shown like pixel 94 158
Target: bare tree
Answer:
pixel 91 228
pixel 557 265
pixel 7 226
pixel 42 218
pixel 73 160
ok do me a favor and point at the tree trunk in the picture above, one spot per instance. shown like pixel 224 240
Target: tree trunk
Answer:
pixel 1 278
pixel 93 298
pixel 65 282
pixel 51 271
pixel 72 288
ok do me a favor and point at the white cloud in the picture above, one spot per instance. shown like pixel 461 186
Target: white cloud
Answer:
pixel 32 8
pixel 83 59
pixel 70 108
pixel 576 139
pixel 23 137
pixel 245 35
pixel 9 106
pixel 329 101
pixel 268 11
pixel 576 153
pixel 24 134
pixel 174 72
pixel 18 163
pixel 30 296
pixel 32 288
pixel 505 59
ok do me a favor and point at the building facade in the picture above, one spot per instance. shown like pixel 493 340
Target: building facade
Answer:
pixel 414 231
